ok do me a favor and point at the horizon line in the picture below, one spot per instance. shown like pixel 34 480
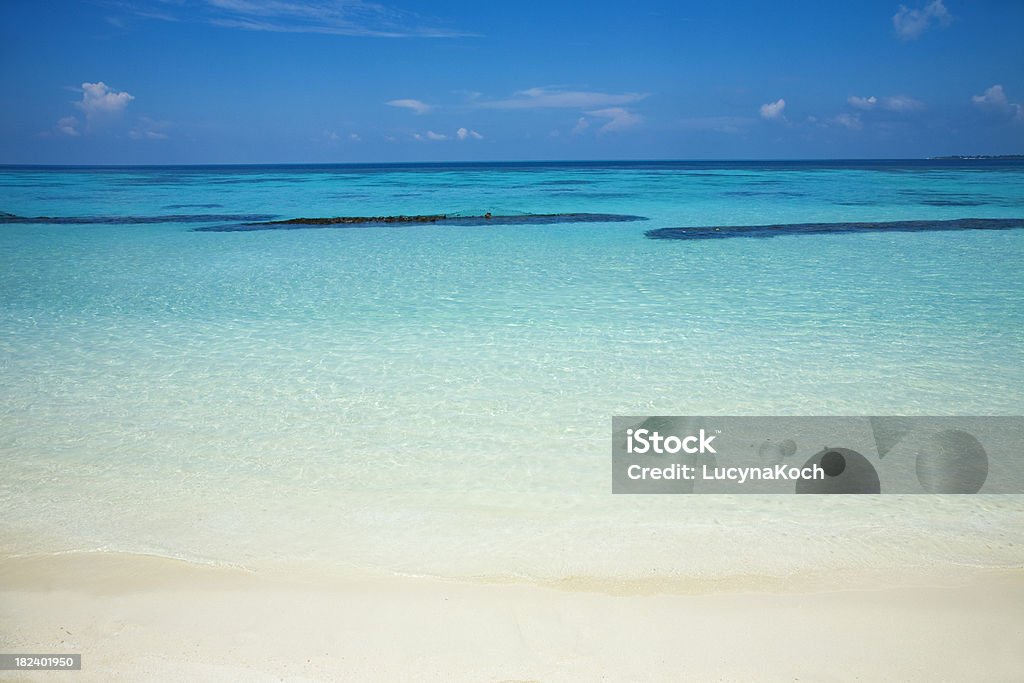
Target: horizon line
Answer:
pixel 946 157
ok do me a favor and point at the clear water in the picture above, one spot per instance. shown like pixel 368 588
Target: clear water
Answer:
pixel 437 399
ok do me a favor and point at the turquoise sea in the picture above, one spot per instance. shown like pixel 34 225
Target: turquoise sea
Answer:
pixel 437 398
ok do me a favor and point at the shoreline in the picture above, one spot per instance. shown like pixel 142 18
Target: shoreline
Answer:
pixel 618 545
pixel 150 618
pixel 103 572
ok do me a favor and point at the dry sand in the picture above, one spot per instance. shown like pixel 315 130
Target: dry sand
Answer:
pixel 151 619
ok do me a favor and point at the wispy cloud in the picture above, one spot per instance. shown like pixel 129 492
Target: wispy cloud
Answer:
pixel 144 9
pixel 892 103
pixel 773 111
pixel 149 129
pixel 415 105
pixel 552 98
pixel 719 124
pixel 995 99
pixel 911 23
pixel 851 121
pixel 334 17
pixel 618 119
pixel 901 103
pixel 592 103
pixel 431 135
pixel 334 137
pixel 460 134
pixel 862 102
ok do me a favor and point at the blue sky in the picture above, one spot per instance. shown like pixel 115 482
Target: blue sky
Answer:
pixel 284 81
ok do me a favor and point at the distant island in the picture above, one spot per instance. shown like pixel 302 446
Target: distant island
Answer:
pixel 972 157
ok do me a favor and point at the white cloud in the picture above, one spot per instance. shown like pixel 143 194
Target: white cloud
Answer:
pixel 901 103
pixel 911 23
pixel 995 99
pixel 354 137
pixel 618 119
pixel 581 125
pixel 68 126
pixel 415 105
pixel 862 102
pixel 851 121
pixel 463 133
pixel 773 110
pixel 99 98
pixel 431 135
pixel 537 98
pixel 99 101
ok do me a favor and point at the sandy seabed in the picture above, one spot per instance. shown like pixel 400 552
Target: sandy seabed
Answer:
pixel 139 618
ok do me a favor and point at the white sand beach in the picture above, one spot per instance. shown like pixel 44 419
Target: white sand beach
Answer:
pixel 144 618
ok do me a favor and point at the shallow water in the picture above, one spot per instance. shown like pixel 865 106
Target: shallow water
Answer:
pixel 437 399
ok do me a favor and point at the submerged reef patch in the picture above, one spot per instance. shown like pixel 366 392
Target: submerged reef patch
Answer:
pixel 779 230
pixel 433 219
